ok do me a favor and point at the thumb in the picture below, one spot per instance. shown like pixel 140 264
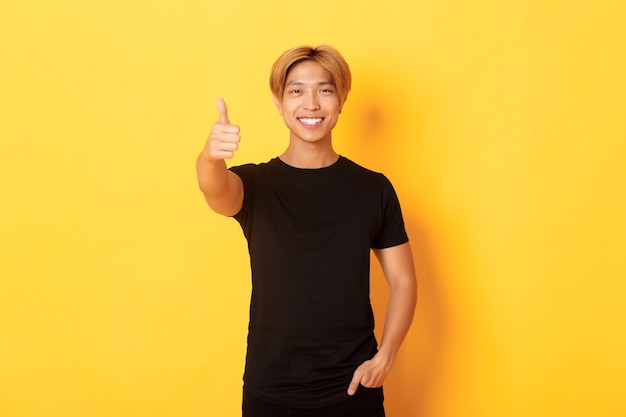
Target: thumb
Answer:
pixel 354 384
pixel 223 111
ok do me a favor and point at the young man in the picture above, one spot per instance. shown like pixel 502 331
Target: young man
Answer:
pixel 311 218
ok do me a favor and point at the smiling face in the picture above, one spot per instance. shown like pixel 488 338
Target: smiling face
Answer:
pixel 310 105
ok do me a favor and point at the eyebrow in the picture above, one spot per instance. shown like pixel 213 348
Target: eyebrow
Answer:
pixel 304 83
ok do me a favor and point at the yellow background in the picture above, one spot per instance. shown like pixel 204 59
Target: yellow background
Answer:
pixel 501 124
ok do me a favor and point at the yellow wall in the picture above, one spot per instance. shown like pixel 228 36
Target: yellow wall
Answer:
pixel 501 123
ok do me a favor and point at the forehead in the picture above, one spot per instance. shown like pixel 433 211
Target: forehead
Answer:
pixel 308 72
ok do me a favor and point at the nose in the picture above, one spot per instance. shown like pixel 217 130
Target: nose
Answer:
pixel 311 102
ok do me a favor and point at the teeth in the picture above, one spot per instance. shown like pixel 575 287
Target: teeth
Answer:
pixel 310 121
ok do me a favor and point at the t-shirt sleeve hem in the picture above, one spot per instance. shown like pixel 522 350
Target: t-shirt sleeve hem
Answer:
pixel 391 243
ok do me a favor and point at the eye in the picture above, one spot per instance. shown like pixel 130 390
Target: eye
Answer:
pixel 295 91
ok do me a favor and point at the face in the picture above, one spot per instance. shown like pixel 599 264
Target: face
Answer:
pixel 310 104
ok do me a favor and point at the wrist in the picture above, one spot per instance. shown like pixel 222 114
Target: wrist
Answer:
pixel 385 357
pixel 387 353
pixel 208 160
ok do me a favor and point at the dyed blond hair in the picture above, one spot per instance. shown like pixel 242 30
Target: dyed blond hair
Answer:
pixel 325 55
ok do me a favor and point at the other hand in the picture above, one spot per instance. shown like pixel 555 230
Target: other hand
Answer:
pixel 370 374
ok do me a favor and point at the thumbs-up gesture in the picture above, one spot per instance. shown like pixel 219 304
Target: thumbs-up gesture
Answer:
pixel 224 138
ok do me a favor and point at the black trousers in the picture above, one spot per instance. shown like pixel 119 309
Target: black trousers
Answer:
pixel 367 402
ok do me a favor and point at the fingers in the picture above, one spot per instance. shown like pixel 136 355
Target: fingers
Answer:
pixel 223 111
pixel 370 374
pixel 223 141
pixel 222 149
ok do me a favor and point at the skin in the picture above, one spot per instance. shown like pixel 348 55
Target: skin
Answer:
pixel 310 95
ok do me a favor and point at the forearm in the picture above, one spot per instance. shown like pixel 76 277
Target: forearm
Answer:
pixel 400 311
pixel 212 175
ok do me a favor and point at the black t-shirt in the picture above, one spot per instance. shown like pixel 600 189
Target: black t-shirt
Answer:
pixel 309 235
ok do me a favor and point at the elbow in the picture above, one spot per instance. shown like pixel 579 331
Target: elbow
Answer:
pixel 405 287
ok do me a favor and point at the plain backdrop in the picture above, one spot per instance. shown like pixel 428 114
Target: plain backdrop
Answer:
pixel 500 123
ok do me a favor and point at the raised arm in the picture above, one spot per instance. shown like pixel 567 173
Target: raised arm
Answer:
pixel 222 189
pixel 397 265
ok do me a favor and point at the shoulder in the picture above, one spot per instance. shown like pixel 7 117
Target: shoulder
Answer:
pixel 365 174
pixel 348 163
pixel 253 168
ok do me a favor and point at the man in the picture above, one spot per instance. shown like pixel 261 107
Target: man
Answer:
pixel 311 218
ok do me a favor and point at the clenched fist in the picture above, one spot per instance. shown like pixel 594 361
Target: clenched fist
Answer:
pixel 224 138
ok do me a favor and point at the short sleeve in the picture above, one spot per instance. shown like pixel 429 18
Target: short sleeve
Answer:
pixel 245 172
pixel 392 231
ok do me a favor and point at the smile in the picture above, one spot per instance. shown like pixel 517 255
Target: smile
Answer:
pixel 310 121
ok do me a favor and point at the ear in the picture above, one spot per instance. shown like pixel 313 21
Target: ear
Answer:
pixel 278 105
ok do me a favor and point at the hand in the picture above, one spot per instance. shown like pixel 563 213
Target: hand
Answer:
pixel 224 138
pixel 371 374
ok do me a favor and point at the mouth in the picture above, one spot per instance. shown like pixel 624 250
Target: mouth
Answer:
pixel 310 121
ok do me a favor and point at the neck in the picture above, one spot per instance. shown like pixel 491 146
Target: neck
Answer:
pixel 310 156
